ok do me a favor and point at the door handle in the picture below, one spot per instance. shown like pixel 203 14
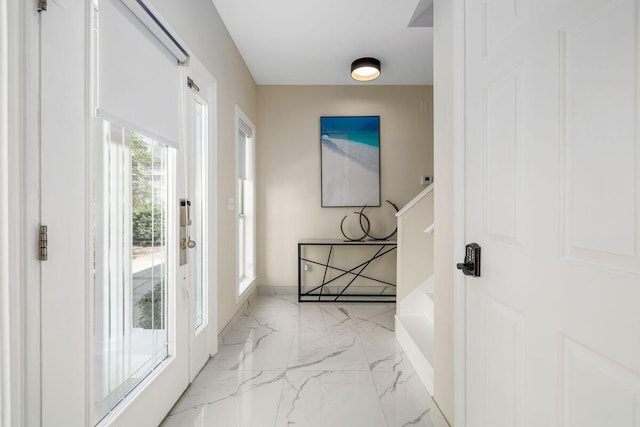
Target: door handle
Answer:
pixel 185 223
pixel 187 243
pixel 471 264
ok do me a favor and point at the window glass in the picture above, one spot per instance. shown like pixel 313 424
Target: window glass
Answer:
pixel 246 209
pixel 131 277
pixel 197 209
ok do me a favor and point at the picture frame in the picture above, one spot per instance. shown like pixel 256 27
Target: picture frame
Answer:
pixel 350 161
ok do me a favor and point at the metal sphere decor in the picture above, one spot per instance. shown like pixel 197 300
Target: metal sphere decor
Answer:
pixel 365 225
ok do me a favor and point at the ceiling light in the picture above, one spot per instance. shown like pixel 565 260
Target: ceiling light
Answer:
pixel 365 69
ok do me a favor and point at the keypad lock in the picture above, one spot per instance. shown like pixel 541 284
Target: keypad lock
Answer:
pixel 471 264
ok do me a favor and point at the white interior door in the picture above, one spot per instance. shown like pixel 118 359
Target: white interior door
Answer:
pixel 199 102
pixel 552 196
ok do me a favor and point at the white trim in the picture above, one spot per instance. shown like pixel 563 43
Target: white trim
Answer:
pixel 213 210
pixel 459 228
pixel 120 409
pixel 430 229
pixel 244 128
pixel 5 318
pixel 275 291
pixel 240 119
pixel 30 216
pixel 242 309
pixel 14 339
pixel 93 132
pixel 207 93
pixel 107 116
pixel 415 200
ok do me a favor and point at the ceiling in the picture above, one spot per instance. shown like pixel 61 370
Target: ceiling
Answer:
pixel 313 42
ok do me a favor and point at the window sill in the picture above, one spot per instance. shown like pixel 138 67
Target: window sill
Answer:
pixel 245 285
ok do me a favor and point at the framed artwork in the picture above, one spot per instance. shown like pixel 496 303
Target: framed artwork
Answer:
pixel 350 161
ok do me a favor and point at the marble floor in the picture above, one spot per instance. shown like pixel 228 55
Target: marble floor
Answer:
pixel 327 365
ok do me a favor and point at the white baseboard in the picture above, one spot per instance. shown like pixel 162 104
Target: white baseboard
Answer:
pixel 244 307
pixel 269 290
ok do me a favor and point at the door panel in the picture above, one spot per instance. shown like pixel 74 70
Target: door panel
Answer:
pixel 505 364
pixel 613 246
pixel 63 209
pixel 587 377
pixel 505 159
pixel 552 193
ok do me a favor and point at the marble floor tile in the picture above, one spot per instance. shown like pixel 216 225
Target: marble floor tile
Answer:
pixel 229 398
pixel 282 363
pixel 405 401
pixel 327 351
pixel 381 348
pixel 321 317
pixel 254 349
pixel 329 398
pixel 279 313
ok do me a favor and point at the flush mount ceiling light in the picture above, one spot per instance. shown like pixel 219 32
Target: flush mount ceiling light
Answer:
pixel 365 69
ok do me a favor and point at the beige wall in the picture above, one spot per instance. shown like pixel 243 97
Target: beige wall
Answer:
pixel 444 256
pixel 197 22
pixel 288 164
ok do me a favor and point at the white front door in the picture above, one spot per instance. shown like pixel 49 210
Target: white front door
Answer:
pixel 199 232
pixel 113 306
pixel 553 198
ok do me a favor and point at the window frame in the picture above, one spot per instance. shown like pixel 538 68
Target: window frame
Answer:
pixel 245 206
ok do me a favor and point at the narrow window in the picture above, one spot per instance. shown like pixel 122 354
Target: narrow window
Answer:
pixel 198 212
pixel 245 202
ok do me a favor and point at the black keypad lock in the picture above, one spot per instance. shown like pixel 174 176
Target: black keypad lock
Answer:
pixel 471 265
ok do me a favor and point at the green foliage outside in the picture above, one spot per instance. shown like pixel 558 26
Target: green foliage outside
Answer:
pixel 151 307
pixel 148 226
pixel 141 168
pixel 147 219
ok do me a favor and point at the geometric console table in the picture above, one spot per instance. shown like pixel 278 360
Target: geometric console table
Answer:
pixel 338 270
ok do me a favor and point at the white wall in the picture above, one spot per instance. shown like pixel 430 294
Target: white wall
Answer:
pixel 443 236
pixel 198 23
pixel 415 247
pixel 288 163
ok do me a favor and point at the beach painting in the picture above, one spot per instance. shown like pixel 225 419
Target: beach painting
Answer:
pixel 350 161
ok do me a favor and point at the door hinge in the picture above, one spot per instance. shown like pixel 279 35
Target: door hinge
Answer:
pixel 42 5
pixel 192 84
pixel 43 243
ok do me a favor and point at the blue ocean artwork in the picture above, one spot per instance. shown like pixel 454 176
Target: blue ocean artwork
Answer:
pixel 363 130
pixel 350 161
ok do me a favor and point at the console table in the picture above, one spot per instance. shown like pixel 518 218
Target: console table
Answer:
pixel 341 287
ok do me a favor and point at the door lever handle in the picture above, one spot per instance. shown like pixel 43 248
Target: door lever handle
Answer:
pixel 467 267
pixel 471 264
pixel 187 243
